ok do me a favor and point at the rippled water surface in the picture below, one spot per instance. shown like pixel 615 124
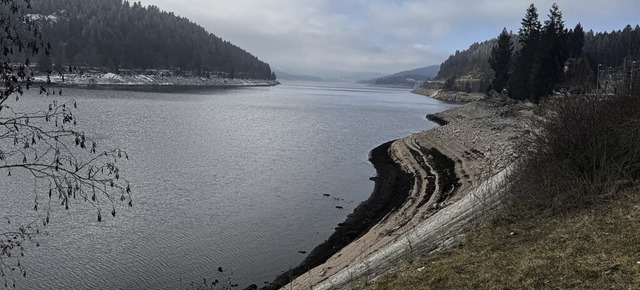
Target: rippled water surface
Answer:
pixel 231 178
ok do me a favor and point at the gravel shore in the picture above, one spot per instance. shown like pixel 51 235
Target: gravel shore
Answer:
pixel 449 96
pixel 449 167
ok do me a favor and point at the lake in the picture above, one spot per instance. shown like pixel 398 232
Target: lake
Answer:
pixel 231 178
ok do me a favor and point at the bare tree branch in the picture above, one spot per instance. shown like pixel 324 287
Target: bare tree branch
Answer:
pixel 63 163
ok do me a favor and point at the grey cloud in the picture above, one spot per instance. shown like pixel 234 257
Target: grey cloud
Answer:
pixel 309 36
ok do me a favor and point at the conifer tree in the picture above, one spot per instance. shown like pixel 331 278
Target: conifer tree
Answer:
pixel 500 60
pixel 576 41
pixel 520 83
pixel 551 54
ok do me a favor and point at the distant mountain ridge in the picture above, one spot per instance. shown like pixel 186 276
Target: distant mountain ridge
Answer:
pixel 336 76
pixel 115 34
pixel 408 78
pixel 284 75
pixel 427 71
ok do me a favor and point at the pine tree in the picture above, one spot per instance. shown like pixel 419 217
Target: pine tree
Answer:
pixel 520 83
pixel 576 41
pixel 500 60
pixel 531 27
pixel 551 54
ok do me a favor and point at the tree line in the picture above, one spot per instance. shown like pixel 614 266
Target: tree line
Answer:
pixel 543 56
pixel 471 61
pixel 116 34
pixel 540 62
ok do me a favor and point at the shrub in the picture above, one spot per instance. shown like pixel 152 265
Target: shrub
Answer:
pixel 586 149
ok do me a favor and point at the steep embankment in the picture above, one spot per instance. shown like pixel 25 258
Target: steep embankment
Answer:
pixel 449 167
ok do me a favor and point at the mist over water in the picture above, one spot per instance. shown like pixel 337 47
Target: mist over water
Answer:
pixel 231 178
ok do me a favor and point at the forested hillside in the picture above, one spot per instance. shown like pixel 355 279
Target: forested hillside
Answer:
pixel 471 61
pixel 611 48
pixel 408 78
pixel 118 35
pixel 606 48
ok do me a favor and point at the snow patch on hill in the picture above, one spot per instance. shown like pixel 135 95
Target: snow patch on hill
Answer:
pixel 88 79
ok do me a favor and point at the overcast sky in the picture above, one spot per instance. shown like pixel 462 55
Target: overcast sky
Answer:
pixel 385 36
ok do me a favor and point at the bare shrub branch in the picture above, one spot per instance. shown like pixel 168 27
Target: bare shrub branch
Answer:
pixel 64 164
pixel 585 150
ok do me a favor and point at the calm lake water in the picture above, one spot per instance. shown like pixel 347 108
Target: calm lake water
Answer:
pixel 229 178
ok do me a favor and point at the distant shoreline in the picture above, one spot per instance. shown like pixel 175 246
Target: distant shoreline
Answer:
pixel 145 82
pixel 151 88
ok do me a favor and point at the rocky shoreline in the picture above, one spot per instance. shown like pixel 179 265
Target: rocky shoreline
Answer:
pixel 446 169
pixel 392 185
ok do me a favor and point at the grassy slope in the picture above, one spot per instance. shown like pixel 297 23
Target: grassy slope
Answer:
pixel 594 248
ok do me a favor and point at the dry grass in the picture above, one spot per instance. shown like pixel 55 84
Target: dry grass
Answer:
pixel 586 151
pixel 596 248
pixel 570 215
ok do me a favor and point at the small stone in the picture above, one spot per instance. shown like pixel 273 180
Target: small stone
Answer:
pixel 421 269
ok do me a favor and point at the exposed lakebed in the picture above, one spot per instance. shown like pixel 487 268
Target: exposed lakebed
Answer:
pixel 233 178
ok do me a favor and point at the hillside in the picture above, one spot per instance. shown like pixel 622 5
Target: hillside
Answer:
pixel 285 75
pixel 427 71
pixel 117 35
pixel 469 62
pixel 408 78
pixel 610 49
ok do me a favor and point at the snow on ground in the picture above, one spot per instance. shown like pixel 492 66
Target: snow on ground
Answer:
pixel 40 17
pixel 146 80
pixel 112 76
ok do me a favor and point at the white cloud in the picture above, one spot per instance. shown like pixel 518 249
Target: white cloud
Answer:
pixel 377 35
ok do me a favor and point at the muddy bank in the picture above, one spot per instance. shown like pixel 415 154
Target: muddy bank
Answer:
pixel 391 189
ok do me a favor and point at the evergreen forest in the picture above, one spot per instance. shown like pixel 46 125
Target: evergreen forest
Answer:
pixel 546 56
pixel 116 34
